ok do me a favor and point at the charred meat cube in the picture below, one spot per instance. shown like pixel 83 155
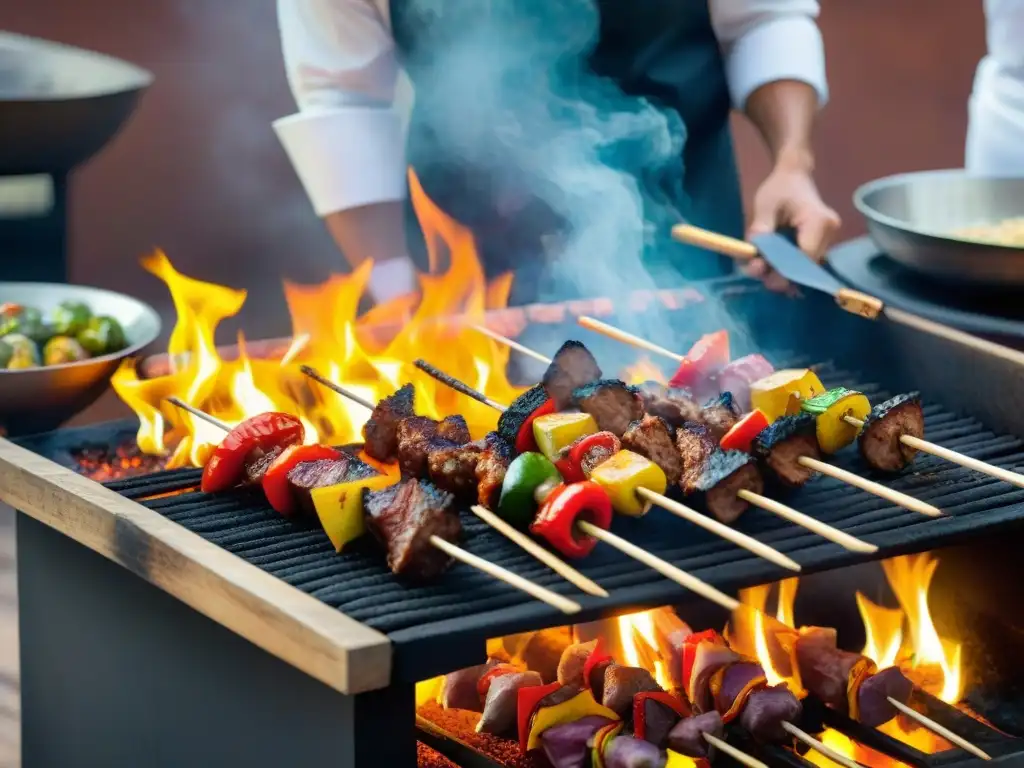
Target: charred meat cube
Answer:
pixel 687 737
pixel 452 466
pixel 613 405
pixel 415 435
pixel 403 518
pixel 781 445
pixel 873 696
pixel 306 476
pixel 381 430
pixel 765 712
pixel 652 439
pixel 724 475
pixel 454 429
pixel 257 464
pixel 571 368
pixel 824 668
pixel 721 414
pixel 490 469
pixel 880 443
pixel 676 406
pixel 502 701
pixel 519 411
pixel 573 662
pixel 695 445
pixel 460 688
pixel 621 684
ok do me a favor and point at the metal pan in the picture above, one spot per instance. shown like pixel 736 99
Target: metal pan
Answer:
pixel 40 399
pixel 911 217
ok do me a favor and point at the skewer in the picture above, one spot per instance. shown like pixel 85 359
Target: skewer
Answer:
pixel 545 595
pixel 618 334
pixel 940 730
pixel 826 531
pixel 560 567
pixel 817 746
pixel 458 386
pixel 510 343
pixel 726 748
pixel 925 446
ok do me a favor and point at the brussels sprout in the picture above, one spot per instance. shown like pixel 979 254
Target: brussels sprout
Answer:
pixel 27 321
pixel 70 317
pixel 102 335
pixel 24 352
pixel 63 349
pixel 6 352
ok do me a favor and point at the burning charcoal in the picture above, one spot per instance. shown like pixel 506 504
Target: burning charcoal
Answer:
pixel 782 444
pixel 414 436
pixel 403 517
pixel 574 659
pixel 613 405
pixel 621 684
pixel 652 439
pixel 567 746
pixel 872 698
pixel 687 738
pixel 381 430
pixel 765 712
pixel 880 443
pixel 459 690
pixel 519 411
pixel 502 702
pixel 454 429
pixel 572 367
pixel 824 668
pixel 490 469
pixel 725 474
pixel 452 466
pixel 720 415
pixel 675 406
pixel 627 752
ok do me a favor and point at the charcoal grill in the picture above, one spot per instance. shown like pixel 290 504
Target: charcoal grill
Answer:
pixel 259 643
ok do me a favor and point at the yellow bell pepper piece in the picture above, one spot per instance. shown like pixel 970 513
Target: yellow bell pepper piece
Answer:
pixel 428 691
pixel 621 476
pixel 579 706
pixel 676 760
pixel 557 431
pixel 340 507
pixel 780 393
pixel 829 408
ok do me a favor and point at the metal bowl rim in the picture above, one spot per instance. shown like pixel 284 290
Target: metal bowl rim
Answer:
pixel 873 215
pixel 131 349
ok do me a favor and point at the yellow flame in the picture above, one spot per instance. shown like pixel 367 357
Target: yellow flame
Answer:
pixel 883 629
pixel 787 598
pixel 643 623
pixel 764 656
pixel 643 370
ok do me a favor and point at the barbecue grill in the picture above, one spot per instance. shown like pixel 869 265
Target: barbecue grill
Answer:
pixel 310 658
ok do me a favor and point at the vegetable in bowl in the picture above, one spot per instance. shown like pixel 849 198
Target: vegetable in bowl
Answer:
pixel 71 333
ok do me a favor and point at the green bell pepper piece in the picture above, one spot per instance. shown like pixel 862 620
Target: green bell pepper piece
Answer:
pixel 527 473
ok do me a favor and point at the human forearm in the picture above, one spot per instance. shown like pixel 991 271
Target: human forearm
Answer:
pixel 784 112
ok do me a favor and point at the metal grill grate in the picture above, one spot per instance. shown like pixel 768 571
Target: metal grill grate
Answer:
pixel 441 626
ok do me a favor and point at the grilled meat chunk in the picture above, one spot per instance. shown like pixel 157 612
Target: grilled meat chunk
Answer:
pixel 490 469
pixel 571 665
pixel 873 696
pixel 880 443
pixel 613 405
pixel 695 445
pixel 415 434
pixel 306 476
pixel 675 406
pixel 725 474
pixel 571 368
pixel 459 690
pixel 621 684
pixel 501 703
pixel 454 429
pixel 519 410
pixel 381 430
pixel 652 438
pixel 781 445
pixel 721 414
pixel 825 668
pixel 257 464
pixel 452 466
pixel 765 712
pixel 403 517
pixel 687 737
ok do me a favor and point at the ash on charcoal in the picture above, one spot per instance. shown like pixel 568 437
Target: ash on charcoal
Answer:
pixel 103 463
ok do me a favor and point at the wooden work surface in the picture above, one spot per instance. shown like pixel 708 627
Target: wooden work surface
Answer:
pixel 295 627
pixel 10 732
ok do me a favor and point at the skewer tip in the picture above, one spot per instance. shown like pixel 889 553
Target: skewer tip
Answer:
pixel 940 730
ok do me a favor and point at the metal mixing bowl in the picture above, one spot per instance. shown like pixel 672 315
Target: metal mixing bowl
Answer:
pixel 910 217
pixel 40 399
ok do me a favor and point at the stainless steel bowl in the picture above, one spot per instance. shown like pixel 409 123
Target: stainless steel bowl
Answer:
pixel 40 399
pixel 910 217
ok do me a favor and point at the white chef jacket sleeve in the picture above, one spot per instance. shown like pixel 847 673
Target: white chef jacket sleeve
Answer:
pixel 768 40
pixel 346 142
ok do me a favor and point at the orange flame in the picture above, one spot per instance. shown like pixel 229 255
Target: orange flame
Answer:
pixel 640 626
pixel 643 370
pixel 327 333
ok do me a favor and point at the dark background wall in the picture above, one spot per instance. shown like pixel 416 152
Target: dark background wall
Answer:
pixel 199 172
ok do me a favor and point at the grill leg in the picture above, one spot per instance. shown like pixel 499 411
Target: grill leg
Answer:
pixel 114 672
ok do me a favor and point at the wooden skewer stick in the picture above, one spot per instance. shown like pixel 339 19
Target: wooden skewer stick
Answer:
pixel 739 756
pixel 738 538
pixel 663 567
pixel 458 386
pixel 510 343
pixel 612 332
pixel 319 378
pixel 925 446
pixel 845 540
pixel 938 729
pixel 897 498
pixel 560 567
pixel 545 595
pixel 817 746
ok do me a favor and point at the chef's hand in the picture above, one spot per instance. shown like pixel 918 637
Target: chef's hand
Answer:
pixel 788 197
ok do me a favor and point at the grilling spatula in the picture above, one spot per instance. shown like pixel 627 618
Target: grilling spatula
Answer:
pixel 794 265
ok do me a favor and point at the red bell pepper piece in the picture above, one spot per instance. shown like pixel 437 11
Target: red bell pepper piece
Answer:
pixel 690 652
pixel 744 431
pixel 483 685
pixel 525 441
pixel 260 433
pixel 526 704
pixel 585 454
pixel 674 703
pixel 597 656
pixel 556 520
pixel 275 480
pixel 707 357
